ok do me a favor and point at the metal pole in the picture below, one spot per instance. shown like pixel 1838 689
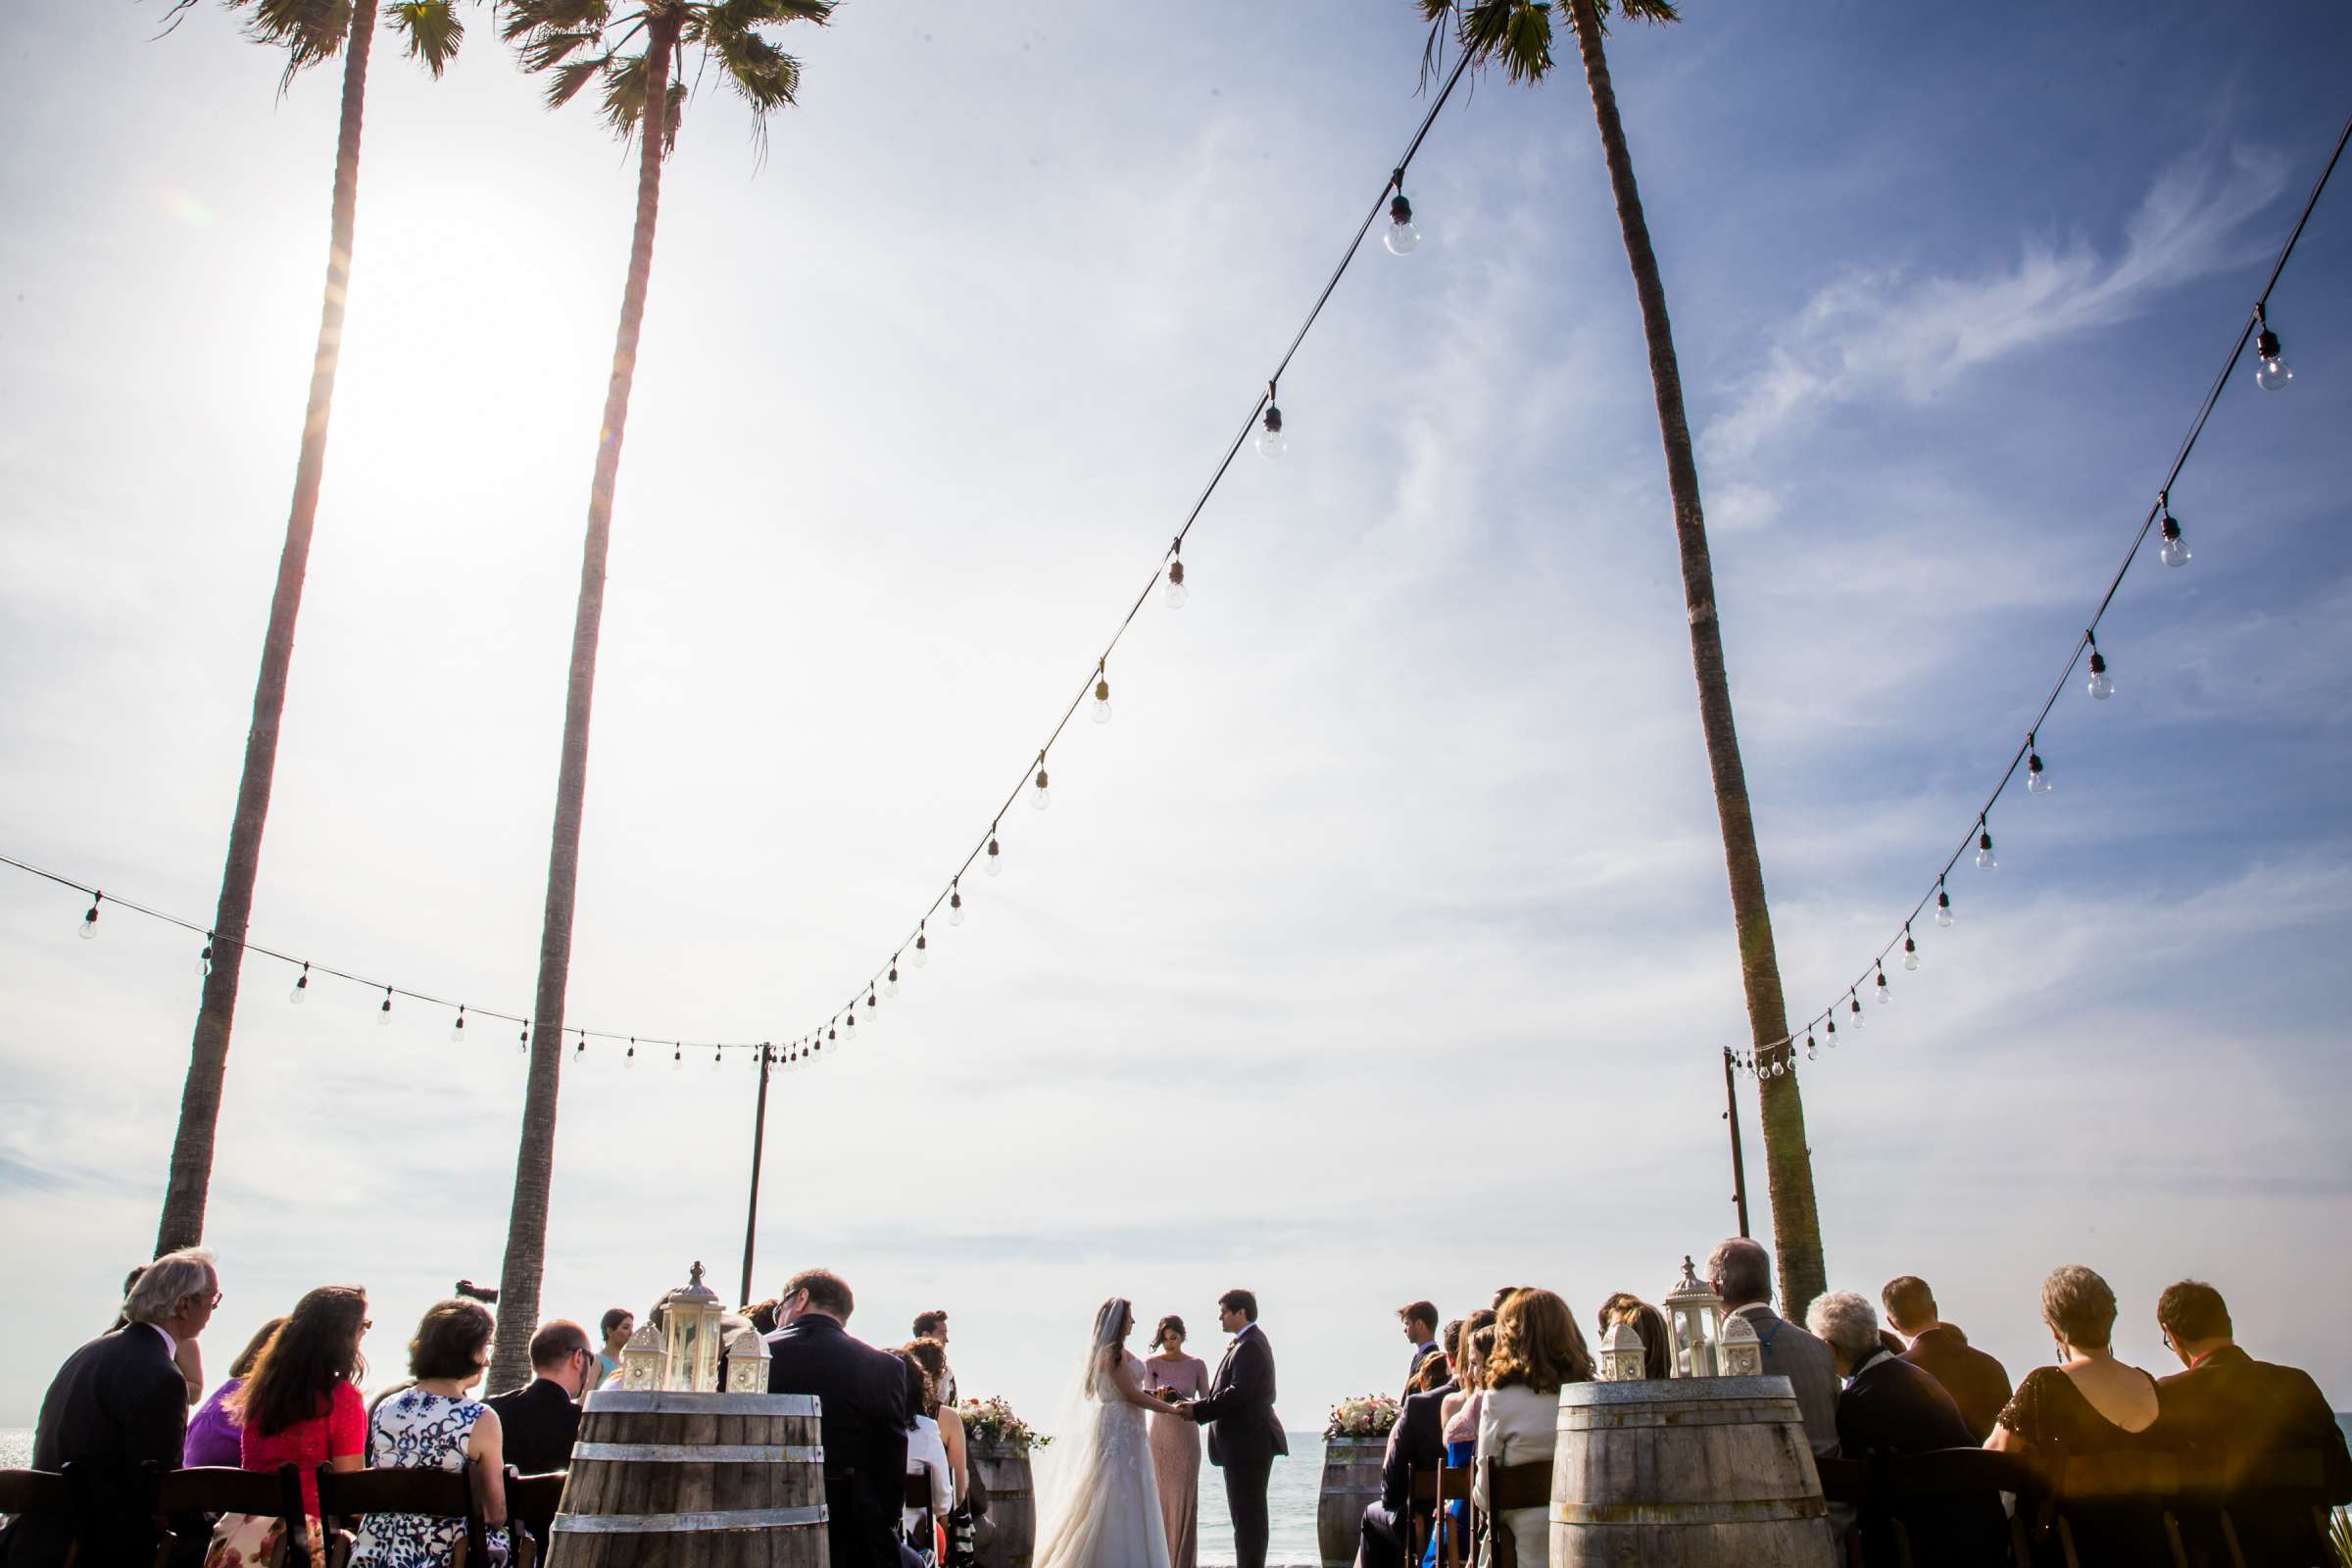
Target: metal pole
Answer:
pixel 1731 1114
pixel 751 1216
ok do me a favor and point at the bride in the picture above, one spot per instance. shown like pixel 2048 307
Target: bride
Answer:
pixel 1101 1499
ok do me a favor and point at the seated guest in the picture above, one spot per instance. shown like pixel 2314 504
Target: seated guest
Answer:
pixel 1891 1407
pixel 763 1317
pixel 302 1405
pixel 119 1402
pixel 863 1421
pixel 1392 1526
pixel 1977 1383
pixel 1536 1350
pixel 213 1432
pixel 2235 1412
pixel 539 1422
pixel 432 1425
pixel 1657 1357
pixel 933 1326
pixel 617 1325
pixel 186 1355
pixel 926 1456
pixel 932 1358
pixel 1457 1418
pixel 1742 1273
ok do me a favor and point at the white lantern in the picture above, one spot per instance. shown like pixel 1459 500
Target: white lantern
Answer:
pixel 1623 1356
pixel 1693 1326
pixel 747 1362
pixel 1741 1351
pixel 643 1364
pixel 690 1336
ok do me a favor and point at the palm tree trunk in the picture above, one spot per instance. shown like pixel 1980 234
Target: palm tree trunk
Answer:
pixel 534 1160
pixel 192 1175
pixel 1787 1163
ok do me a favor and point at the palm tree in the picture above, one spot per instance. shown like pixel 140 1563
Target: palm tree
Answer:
pixel 310 32
pixel 637 54
pixel 1517 34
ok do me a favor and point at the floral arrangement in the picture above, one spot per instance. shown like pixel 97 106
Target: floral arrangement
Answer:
pixel 1369 1415
pixel 992 1423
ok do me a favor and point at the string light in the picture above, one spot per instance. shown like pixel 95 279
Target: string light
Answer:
pixel 2037 777
pixel 1044 796
pixel 1854 1004
pixel 923 946
pixel 1271 442
pixel 630 1060
pixel 890 986
pixel 956 902
pixel 1812 1051
pixel 1985 856
pixel 2173 552
pixel 2100 687
pixel 523 1038
pixel 89 919
pixel 456 1030
pixel 1101 713
pixel 1176 593
pixel 384 1014
pixel 1944 906
pixel 1403 237
pixel 2271 373
pixel 204 959
pixel 995 857
pixel 302 986
pixel 579 1049
pixel 715 1055
pixel 1831 1028
pixel 1910 949
pixel 677 1054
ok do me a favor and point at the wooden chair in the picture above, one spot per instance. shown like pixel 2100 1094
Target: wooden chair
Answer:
pixel 1420 1510
pixel 178 1497
pixel 1508 1487
pixel 2125 1501
pixel 41 1491
pixel 1455 1548
pixel 1952 1476
pixel 2286 1489
pixel 436 1494
pixel 1847 1482
pixel 531 1497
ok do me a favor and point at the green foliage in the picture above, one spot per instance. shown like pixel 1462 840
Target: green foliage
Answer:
pixel 311 31
pixel 1517 33
pixel 574 43
pixel 431 28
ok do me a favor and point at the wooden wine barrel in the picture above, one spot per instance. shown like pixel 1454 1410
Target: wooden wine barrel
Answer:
pixel 1350 1481
pixel 1684 1472
pixel 1010 1539
pixel 694 1481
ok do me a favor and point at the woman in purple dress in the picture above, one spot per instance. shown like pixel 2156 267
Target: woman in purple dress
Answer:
pixel 214 1435
pixel 1175 1441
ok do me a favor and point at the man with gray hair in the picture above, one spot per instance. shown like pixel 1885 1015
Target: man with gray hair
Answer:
pixel 1891 1407
pixel 119 1402
pixel 1740 1272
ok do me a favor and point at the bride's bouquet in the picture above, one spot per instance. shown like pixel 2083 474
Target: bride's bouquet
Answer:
pixel 992 1423
pixel 1369 1415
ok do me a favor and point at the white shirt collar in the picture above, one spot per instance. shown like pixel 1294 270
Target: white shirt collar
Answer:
pixel 170 1345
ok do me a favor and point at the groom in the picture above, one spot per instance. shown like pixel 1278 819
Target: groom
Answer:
pixel 1243 1433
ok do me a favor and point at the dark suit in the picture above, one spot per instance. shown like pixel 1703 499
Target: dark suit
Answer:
pixel 1421 1353
pixel 119 1403
pixel 2231 1411
pixel 539 1424
pixel 1977 1383
pixel 1417 1446
pixel 1244 1437
pixel 1893 1408
pixel 864 1428
pixel 1809 1367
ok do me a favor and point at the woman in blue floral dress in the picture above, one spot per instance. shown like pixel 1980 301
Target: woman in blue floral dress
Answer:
pixel 434 1426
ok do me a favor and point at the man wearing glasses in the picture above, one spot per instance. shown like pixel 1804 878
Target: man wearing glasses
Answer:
pixel 541 1420
pixel 119 1403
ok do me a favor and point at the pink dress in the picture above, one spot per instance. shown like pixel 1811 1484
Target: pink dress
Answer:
pixel 1176 1454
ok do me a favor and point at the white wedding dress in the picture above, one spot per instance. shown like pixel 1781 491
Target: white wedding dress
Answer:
pixel 1101 1494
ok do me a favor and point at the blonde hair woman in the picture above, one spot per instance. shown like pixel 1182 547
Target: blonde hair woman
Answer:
pixel 1537 1348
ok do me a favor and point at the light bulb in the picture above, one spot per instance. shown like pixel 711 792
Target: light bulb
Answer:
pixel 955 906
pixel 677 1057
pixel 630 1060
pixel 2037 777
pixel 456 1031
pixel 715 1058
pixel 204 959
pixel 1101 713
pixel 580 1048
pixel 89 922
pixel 1403 237
pixel 1041 797
pixel 302 986
pixel 922 949
pixel 1270 440
pixel 995 857
pixel 2174 550
pixel 2272 372
pixel 1177 594
pixel 384 1014
pixel 1854 1003
pixel 1985 856
pixel 1832 1033
pixel 890 986
pixel 1811 1055
pixel 1943 907
pixel 2101 688
pixel 1884 990
pixel 1910 951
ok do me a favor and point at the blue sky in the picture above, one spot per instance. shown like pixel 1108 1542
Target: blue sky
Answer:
pixel 1379 948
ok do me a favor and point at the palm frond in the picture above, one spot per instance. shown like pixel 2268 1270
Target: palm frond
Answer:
pixel 765 76
pixel 1514 34
pixel 547 50
pixel 432 30
pixel 571 76
pixel 310 32
pixel 527 18
pixel 624 100
pixel 1660 11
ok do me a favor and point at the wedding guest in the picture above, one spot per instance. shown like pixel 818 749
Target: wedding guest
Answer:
pixel 1977 1383
pixel 1537 1348
pixel 1420 1320
pixel 1416 1446
pixel 1893 1407
pixel 861 1422
pixel 933 1326
pixel 213 1432
pixel 618 1325
pixel 1740 1272
pixel 433 1425
pixel 119 1402
pixel 926 1455
pixel 1657 1357
pixel 1175 1441
pixel 1435 1372
pixel 1457 1415
pixel 1504 1295
pixel 2235 1412
pixel 186 1357
pixel 539 1422
pixel 763 1317
pixel 302 1405
pixel 933 1360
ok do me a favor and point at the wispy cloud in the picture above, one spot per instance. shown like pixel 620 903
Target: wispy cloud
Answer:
pixel 1909 333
